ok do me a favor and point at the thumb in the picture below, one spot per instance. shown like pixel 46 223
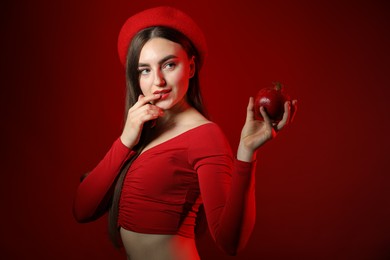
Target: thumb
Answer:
pixel 250 114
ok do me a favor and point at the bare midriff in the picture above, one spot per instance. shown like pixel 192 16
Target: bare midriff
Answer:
pixel 141 246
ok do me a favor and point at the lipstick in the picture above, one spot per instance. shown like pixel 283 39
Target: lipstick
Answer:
pixel 164 93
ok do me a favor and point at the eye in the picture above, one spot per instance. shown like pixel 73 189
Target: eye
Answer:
pixel 170 65
pixel 143 71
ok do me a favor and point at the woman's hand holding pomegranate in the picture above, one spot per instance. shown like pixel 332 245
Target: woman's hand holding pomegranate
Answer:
pixel 259 127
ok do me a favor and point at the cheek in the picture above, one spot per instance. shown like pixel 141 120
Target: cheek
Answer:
pixel 182 85
pixel 182 78
pixel 144 85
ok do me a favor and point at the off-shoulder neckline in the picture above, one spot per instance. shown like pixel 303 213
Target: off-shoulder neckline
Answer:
pixel 178 136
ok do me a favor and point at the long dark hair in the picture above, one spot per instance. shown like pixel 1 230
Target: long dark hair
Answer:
pixel 193 97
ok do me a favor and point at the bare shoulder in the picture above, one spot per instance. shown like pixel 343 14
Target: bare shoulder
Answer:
pixel 194 119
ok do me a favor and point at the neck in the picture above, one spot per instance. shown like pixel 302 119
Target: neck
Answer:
pixel 173 116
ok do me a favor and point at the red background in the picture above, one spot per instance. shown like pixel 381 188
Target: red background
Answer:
pixel 322 184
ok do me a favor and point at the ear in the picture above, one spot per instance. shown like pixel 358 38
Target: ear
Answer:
pixel 192 66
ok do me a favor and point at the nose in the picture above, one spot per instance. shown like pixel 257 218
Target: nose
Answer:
pixel 159 79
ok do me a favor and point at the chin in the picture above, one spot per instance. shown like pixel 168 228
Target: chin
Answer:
pixel 164 105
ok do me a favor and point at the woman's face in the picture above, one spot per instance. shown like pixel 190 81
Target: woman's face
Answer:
pixel 164 68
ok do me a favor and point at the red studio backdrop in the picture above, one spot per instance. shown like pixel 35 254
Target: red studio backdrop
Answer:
pixel 323 185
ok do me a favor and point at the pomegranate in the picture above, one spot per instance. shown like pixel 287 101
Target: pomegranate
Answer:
pixel 272 99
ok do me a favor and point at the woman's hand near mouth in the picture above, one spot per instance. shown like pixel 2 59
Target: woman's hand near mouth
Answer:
pixel 142 111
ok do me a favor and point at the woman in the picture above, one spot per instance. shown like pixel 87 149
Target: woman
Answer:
pixel 171 163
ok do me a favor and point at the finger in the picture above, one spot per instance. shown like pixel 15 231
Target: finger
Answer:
pixel 149 117
pixel 294 108
pixel 143 114
pixel 153 97
pixel 137 104
pixel 249 110
pixel 150 98
pixel 265 116
pixel 286 116
pixel 148 110
pixel 143 100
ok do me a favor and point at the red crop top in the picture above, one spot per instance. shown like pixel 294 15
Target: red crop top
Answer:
pixel 166 184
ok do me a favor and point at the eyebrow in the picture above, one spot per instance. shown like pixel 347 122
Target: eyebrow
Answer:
pixel 160 62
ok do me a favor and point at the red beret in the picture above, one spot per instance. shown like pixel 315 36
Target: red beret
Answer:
pixel 161 16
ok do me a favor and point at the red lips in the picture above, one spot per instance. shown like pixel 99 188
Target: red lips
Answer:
pixel 162 92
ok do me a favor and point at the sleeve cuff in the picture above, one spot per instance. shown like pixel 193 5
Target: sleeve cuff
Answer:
pixel 123 149
pixel 244 168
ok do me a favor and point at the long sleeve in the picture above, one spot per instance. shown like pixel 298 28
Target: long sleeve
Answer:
pixel 227 190
pixel 229 203
pixel 95 187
